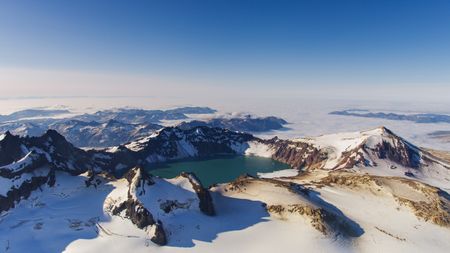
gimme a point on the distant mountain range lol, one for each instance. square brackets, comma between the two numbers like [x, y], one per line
[246, 123]
[114, 127]
[418, 118]
[443, 136]
[140, 116]
[32, 113]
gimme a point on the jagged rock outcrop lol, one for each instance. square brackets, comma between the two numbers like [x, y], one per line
[50, 149]
[175, 143]
[136, 212]
[299, 155]
[386, 145]
[147, 198]
[160, 235]
[134, 209]
[172, 143]
[30, 162]
[399, 151]
[205, 201]
[23, 191]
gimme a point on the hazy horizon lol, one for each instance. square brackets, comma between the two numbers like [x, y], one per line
[370, 50]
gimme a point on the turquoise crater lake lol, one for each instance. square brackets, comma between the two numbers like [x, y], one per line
[218, 169]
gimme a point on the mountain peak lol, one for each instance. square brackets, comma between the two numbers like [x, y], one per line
[5, 135]
[54, 135]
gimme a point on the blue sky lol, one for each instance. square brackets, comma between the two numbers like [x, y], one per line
[289, 45]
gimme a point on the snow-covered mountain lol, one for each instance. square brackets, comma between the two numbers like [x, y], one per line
[378, 151]
[96, 134]
[33, 113]
[368, 191]
[247, 123]
[140, 116]
[108, 128]
[84, 134]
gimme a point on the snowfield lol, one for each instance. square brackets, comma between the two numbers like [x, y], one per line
[73, 218]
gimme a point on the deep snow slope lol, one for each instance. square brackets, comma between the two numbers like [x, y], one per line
[333, 212]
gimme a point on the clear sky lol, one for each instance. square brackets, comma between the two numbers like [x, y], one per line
[288, 48]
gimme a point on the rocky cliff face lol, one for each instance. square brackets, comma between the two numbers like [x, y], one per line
[398, 150]
[28, 163]
[133, 208]
[385, 145]
[299, 155]
[149, 197]
[171, 144]
[22, 186]
[160, 237]
[205, 201]
[50, 149]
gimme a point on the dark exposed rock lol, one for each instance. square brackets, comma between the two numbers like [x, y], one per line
[298, 155]
[396, 150]
[352, 158]
[402, 153]
[205, 200]
[51, 178]
[134, 209]
[170, 205]
[23, 191]
[10, 149]
[35, 161]
[50, 151]
[207, 141]
[143, 179]
[160, 236]
[136, 212]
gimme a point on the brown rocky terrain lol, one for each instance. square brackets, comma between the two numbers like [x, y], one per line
[428, 202]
